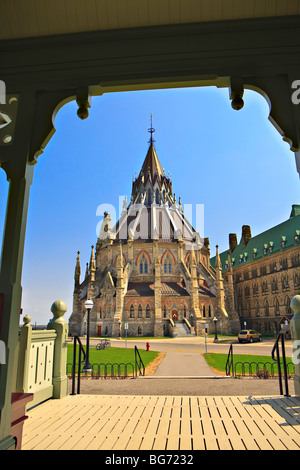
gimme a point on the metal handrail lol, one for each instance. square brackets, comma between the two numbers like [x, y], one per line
[277, 359]
[139, 365]
[81, 350]
[229, 362]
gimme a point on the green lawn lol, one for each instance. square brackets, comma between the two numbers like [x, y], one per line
[218, 362]
[113, 356]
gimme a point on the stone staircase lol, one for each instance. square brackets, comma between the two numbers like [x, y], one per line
[182, 329]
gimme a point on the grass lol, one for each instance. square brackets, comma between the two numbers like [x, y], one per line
[218, 362]
[114, 356]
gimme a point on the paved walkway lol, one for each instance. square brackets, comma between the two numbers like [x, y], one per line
[182, 364]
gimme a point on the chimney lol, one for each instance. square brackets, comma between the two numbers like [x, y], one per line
[232, 242]
[246, 234]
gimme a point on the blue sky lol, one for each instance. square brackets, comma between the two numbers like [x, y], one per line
[233, 162]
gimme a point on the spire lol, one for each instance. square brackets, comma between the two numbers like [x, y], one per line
[77, 270]
[151, 130]
[92, 264]
[218, 265]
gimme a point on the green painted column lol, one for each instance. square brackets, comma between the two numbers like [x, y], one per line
[10, 287]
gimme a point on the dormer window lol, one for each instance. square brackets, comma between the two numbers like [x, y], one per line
[254, 252]
[270, 247]
[265, 249]
[297, 235]
[283, 240]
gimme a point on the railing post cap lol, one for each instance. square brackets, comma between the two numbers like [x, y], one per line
[26, 319]
[58, 308]
[295, 304]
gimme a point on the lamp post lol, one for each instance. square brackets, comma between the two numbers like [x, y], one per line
[119, 323]
[216, 337]
[87, 366]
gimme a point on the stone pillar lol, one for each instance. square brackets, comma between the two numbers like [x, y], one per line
[295, 332]
[59, 324]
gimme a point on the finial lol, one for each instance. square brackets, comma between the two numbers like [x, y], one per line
[151, 130]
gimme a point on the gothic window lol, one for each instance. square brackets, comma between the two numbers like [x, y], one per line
[131, 311]
[277, 309]
[272, 267]
[209, 311]
[257, 309]
[140, 311]
[274, 285]
[157, 196]
[167, 265]
[204, 310]
[148, 311]
[143, 265]
[184, 311]
[283, 263]
[263, 270]
[296, 280]
[266, 308]
[149, 197]
[285, 282]
[165, 311]
[264, 287]
[247, 291]
[254, 272]
[288, 306]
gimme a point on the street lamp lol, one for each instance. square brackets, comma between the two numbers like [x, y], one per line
[119, 323]
[216, 337]
[87, 366]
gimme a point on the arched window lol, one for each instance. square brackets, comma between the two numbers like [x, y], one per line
[203, 312]
[277, 308]
[167, 265]
[131, 311]
[143, 265]
[148, 311]
[184, 311]
[157, 196]
[266, 308]
[209, 311]
[165, 312]
[139, 330]
[140, 311]
[149, 197]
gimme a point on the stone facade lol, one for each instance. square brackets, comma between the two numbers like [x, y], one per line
[266, 274]
[151, 270]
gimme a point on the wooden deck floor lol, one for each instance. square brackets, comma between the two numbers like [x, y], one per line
[164, 423]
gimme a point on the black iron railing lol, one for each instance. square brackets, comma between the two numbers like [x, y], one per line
[80, 352]
[102, 370]
[229, 362]
[276, 350]
[279, 368]
[139, 365]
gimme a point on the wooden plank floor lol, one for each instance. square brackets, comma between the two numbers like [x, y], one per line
[86, 422]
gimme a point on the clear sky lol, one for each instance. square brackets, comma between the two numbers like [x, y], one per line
[233, 162]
